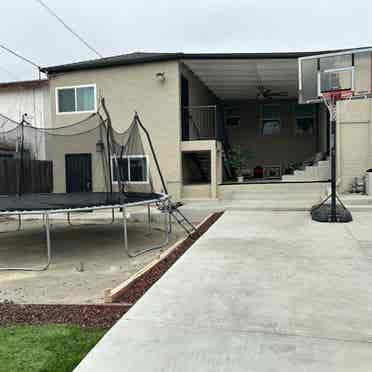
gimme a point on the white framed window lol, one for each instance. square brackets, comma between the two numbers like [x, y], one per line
[77, 99]
[131, 168]
[305, 117]
[270, 118]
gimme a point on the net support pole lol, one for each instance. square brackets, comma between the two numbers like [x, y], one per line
[138, 120]
[21, 166]
[108, 141]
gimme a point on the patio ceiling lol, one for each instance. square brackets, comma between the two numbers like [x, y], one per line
[238, 79]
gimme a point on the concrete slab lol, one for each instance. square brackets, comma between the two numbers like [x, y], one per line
[259, 291]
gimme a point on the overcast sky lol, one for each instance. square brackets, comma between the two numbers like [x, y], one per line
[120, 26]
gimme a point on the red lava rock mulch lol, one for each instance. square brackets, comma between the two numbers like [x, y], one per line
[90, 316]
[141, 284]
[103, 315]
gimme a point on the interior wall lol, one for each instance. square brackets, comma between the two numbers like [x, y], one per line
[279, 149]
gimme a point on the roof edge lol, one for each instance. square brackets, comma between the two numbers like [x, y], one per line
[132, 59]
[24, 83]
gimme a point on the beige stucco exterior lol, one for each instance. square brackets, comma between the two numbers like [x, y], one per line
[127, 89]
[136, 88]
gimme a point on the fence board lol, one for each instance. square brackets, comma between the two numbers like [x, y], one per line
[37, 176]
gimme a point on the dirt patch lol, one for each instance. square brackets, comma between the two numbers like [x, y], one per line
[90, 316]
[99, 316]
[141, 284]
[85, 260]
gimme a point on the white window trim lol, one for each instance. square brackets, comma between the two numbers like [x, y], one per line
[75, 88]
[113, 158]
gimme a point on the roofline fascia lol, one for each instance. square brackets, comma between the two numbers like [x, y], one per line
[79, 66]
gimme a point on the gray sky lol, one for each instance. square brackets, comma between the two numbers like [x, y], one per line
[120, 26]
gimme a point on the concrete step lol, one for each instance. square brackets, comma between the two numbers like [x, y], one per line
[196, 210]
[316, 172]
[274, 192]
[271, 197]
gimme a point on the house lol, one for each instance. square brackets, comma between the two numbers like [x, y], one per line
[17, 98]
[31, 97]
[198, 107]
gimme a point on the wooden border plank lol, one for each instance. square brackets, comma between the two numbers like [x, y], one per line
[111, 295]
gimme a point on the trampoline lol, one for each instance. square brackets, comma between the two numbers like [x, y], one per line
[26, 196]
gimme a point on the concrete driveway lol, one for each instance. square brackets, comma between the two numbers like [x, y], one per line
[260, 291]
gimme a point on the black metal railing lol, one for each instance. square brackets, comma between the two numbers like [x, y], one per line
[199, 123]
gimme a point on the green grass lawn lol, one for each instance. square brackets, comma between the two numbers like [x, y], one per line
[47, 348]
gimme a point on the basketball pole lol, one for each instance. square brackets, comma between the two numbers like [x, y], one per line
[333, 167]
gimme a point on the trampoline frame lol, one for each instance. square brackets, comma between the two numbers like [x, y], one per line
[121, 207]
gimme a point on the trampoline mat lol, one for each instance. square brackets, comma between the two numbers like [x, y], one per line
[56, 201]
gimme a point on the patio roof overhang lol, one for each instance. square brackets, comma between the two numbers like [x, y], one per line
[238, 79]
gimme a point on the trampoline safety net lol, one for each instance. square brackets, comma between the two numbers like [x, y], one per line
[83, 164]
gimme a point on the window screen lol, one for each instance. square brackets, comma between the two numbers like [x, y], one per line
[132, 169]
[120, 165]
[66, 100]
[270, 120]
[305, 119]
[85, 99]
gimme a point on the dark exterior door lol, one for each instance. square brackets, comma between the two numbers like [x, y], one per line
[78, 173]
[185, 103]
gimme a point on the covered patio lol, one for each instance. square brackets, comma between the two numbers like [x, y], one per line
[250, 105]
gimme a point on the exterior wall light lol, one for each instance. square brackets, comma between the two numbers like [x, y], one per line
[161, 77]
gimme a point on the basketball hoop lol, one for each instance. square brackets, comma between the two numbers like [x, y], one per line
[330, 100]
[329, 78]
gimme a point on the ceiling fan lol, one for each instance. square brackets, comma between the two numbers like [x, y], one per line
[267, 93]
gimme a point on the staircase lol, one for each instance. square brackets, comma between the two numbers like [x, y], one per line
[202, 161]
[321, 171]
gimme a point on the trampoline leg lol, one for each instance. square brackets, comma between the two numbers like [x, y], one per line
[158, 246]
[19, 226]
[149, 218]
[49, 250]
[126, 248]
[169, 223]
[47, 233]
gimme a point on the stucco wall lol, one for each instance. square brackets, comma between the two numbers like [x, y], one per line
[281, 149]
[33, 101]
[354, 140]
[126, 89]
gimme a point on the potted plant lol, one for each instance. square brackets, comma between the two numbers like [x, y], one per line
[238, 159]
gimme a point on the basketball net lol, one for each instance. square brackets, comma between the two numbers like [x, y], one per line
[330, 100]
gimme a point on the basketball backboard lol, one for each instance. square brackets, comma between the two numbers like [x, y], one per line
[348, 71]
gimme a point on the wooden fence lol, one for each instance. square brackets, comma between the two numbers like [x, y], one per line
[37, 176]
